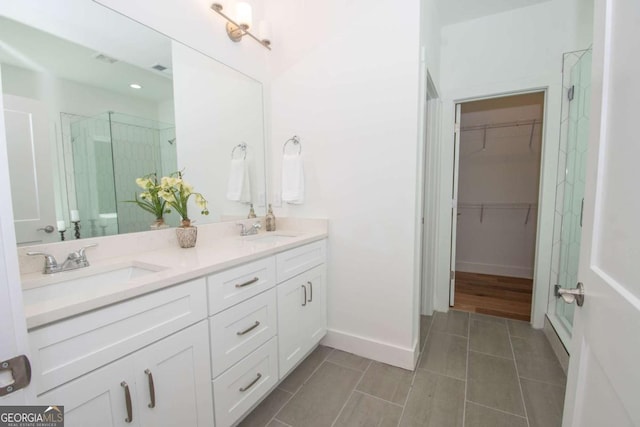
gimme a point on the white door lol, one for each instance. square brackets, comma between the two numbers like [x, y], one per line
[30, 170]
[316, 309]
[292, 303]
[13, 329]
[603, 386]
[454, 207]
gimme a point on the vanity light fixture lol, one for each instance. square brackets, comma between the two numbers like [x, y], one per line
[135, 86]
[236, 29]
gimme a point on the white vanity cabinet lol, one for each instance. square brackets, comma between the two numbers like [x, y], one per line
[164, 384]
[302, 315]
[145, 359]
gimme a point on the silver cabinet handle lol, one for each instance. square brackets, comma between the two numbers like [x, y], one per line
[247, 283]
[152, 389]
[310, 292]
[127, 398]
[304, 300]
[243, 389]
[249, 329]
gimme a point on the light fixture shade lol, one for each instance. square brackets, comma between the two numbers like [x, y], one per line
[264, 31]
[243, 14]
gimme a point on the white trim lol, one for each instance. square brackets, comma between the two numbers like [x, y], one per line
[390, 354]
[495, 269]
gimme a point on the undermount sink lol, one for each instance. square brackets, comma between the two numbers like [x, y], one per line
[88, 282]
[270, 238]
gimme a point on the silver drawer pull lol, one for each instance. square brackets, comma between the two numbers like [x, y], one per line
[249, 329]
[247, 283]
[310, 292]
[304, 300]
[127, 399]
[243, 389]
[152, 389]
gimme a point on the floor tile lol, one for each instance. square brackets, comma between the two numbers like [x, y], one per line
[265, 411]
[302, 373]
[321, 398]
[490, 338]
[348, 360]
[386, 382]
[518, 328]
[544, 403]
[276, 423]
[480, 416]
[537, 361]
[364, 410]
[425, 324]
[453, 322]
[445, 354]
[434, 401]
[487, 318]
[493, 382]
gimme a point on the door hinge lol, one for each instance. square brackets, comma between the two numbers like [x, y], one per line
[452, 275]
[20, 369]
[571, 92]
[456, 127]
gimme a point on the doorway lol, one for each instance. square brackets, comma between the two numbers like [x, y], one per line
[496, 187]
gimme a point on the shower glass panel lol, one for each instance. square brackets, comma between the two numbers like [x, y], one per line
[109, 152]
[571, 182]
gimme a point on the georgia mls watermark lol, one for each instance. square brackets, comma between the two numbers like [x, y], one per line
[32, 416]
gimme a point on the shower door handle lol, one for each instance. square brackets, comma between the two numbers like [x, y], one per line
[571, 295]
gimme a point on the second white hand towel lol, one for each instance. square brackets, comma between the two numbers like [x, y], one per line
[239, 186]
[292, 179]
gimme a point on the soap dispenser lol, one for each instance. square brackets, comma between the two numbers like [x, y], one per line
[252, 213]
[270, 220]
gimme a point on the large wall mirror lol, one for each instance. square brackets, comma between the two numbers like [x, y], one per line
[89, 109]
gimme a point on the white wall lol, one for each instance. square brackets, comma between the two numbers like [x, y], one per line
[348, 85]
[503, 53]
[506, 172]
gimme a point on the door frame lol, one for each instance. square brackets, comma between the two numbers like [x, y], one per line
[546, 192]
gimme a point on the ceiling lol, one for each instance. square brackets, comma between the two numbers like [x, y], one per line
[455, 11]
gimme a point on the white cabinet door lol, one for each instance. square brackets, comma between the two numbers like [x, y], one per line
[302, 316]
[173, 380]
[98, 399]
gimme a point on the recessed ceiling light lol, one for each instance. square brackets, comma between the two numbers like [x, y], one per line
[135, 86]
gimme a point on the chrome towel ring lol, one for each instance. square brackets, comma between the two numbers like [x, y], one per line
[295, 140]
[242, 147]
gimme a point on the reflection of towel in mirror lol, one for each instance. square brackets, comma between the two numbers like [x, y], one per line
[239, 185]
[292, 179]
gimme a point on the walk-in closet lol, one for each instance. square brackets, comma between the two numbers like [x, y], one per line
[496, 194]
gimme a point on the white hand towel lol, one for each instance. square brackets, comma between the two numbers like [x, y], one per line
[239, 185]
[292, 179]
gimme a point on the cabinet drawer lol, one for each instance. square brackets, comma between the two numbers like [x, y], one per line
[232, 286]
[239, 388]
[295, 261]
[241, 329]
[72, 347]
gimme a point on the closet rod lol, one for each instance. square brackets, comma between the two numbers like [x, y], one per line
[502, 125]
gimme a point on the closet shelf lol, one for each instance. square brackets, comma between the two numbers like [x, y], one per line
[498, 205]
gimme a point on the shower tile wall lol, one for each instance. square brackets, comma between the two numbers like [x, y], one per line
[571, 173]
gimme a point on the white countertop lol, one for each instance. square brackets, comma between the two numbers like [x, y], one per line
[179, 265]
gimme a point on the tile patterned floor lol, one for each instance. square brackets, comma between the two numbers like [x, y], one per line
[474, 371]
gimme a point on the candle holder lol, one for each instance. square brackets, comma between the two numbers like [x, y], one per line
[61, 235]
[104, 229]
[76, 228]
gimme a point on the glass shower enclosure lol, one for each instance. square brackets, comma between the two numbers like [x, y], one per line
[572, 160]
[107, 153]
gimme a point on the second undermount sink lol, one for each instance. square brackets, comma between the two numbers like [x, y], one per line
[95, 282]
[270, 238]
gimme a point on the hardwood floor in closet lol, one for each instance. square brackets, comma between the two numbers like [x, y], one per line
[501, 296]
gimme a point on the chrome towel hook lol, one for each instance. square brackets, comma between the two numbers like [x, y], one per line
[295, 140]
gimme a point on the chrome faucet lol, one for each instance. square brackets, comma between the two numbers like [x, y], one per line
[74, 260]
[244, 231]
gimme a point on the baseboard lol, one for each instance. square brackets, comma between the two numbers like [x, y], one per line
[556, 344]
[495, 269]
[372, 349]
